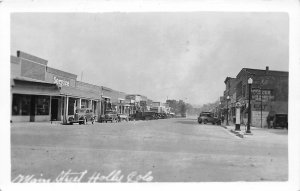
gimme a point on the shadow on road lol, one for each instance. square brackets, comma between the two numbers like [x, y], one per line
[191, 121]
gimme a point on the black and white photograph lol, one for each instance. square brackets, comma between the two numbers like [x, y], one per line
[152, 96]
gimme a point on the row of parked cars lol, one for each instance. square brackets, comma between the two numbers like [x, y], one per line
[85, 115]
[278, 120]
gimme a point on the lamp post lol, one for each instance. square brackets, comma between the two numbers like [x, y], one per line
[219, 111]
[250, 81]
[227, 112]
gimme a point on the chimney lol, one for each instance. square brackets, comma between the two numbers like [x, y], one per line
[267, 69]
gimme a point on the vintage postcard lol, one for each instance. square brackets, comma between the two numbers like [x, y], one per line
[160, 92]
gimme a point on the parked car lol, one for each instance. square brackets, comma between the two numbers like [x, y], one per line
[131, 117]
[123, 117]
[172, 115]
[109, 115]
[82, 116]
[208, 117]
[149, 115]
[164, 116]
[280, 120]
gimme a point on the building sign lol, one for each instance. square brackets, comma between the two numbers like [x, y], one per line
[260, 107]
[61, 82]
[262, 95]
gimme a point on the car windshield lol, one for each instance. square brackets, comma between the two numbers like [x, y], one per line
[206, 114]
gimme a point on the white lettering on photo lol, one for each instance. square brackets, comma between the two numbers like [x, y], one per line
[77, 177]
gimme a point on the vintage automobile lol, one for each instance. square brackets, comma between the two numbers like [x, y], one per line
[208, 117]
[131, 117]
[109, 115]
[280, 121]
[82, 116]
[148, 115]
[123, 117]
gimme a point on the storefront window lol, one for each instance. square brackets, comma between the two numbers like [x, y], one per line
[42, 105]
[84, 103]
[21, 104]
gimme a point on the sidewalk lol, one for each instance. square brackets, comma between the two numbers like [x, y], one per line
[254, 130]
[36, 124]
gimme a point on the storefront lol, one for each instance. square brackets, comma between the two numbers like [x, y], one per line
[42, 93]
[31, 99]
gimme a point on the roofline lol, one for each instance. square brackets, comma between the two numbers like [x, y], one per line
[227, 79]
[265, 70]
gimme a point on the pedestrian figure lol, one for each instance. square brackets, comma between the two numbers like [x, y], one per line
[270, 119]
[222, 118]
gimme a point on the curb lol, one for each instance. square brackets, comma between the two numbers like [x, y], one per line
[237, 133]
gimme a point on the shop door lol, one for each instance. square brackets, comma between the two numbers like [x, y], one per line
[32, 108]
[54, 109]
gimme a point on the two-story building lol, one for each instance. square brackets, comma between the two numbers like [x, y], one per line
[269, 94]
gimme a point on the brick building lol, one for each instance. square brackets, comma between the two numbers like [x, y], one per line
[269, 94]
[230, 91]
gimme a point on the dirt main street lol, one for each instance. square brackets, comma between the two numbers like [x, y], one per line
[165, 150]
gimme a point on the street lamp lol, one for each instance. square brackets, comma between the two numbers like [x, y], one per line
[219, 111]
[227, 113]
[250, 81]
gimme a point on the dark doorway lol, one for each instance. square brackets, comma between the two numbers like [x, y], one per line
[54, 109]
[32, 108]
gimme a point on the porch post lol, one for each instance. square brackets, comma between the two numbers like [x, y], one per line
[66, 105]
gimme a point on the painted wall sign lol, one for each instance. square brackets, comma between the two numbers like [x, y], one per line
[61, 82]
[264, 95]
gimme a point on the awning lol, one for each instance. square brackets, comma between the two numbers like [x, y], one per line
[33, 87]
[23, 85]
[74, 92]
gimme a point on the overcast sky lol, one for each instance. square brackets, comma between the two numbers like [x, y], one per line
[176, 55]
